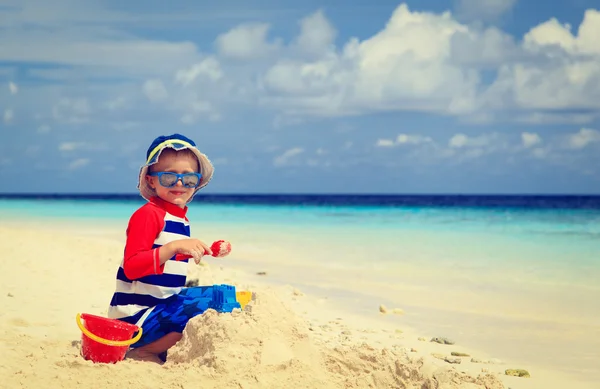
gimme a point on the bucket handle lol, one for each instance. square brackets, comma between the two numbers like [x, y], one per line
[107, 342]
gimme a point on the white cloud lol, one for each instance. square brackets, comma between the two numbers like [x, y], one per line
[155, 90]
[195, 92]
[116, 104]
[246, 41]
[462, 141]
[463, 147]
[458, 140]
[418, 61]
[540, 152]
[78, 163]
[572, 151]
[72, 110]
[317, 35]
[284, 158]
[460, 148]
[44, 128]
[70, 146]
[220, 161]
[412, 139]
[129, 56]
[13, 88]
[487, 48]
[404, 139]
[32, 150]
[406, 66]
[583, 138]
[196, 109]
[423, 61]
[73, 146]
[124, 126]
[98, 45]
[553, 33]
[312, 162]
[550, 33]
[385, 143]
[208, 68]
[530, 139]
[555, 150]
[537, 118]
[98, 37]
[8, 115]
[563, 70]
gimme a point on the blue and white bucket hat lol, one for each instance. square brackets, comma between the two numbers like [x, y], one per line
[176, 142]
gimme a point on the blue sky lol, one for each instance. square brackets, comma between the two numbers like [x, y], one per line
[465, 96]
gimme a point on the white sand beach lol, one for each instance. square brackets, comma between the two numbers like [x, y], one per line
[288, 338]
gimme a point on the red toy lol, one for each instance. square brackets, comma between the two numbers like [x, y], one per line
[220, 248]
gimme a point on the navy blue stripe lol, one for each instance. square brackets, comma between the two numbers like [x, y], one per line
[137, 299]
[168, 280]
[121, 275]
[156, 246]
[176, 228]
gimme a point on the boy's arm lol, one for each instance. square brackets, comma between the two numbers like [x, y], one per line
[140, 259]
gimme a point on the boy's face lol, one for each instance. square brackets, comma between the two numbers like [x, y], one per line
[175, 162]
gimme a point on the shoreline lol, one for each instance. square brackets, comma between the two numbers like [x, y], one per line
[320, 308]
[479, 340]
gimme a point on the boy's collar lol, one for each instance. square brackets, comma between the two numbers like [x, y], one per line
[170, 208]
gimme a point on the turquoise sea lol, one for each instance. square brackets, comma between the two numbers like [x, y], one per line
[560, 233]
[525, 270]
[553, 237]
[565, 229]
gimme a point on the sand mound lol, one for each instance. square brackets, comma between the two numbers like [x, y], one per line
[267, 345]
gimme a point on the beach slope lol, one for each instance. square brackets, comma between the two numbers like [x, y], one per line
[283, 339]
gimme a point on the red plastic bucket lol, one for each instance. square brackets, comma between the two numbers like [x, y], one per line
[105, 340]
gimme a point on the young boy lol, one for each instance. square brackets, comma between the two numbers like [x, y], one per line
[150, 287]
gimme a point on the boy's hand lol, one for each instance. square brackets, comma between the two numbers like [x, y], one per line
[193, 247]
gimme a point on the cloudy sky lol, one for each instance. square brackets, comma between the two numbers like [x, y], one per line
[425, 96]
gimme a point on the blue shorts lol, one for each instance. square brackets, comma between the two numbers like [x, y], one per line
[174, 315]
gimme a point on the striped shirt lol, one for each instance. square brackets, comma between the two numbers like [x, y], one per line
[142, 282]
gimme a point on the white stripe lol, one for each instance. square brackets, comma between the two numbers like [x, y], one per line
[179, 268]
[139, 287]
[173, 218]
[144, 317]
[166, 237]
[122, 311]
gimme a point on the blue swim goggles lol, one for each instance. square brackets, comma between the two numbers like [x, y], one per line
[170, 179]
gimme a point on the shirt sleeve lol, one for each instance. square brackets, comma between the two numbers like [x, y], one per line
[140, 259]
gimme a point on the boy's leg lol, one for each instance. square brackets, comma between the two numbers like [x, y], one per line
[151, 352]
[164, 326]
